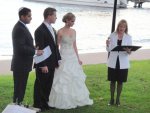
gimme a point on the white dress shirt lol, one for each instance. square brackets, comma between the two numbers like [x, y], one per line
[50, 28]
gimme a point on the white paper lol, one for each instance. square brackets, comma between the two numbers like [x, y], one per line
[17, 109]
[45, 55]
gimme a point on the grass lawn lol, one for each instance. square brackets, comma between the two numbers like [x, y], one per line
[135, 96]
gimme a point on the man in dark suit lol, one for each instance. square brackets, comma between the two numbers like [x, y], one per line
[23, 51]
[45, 36]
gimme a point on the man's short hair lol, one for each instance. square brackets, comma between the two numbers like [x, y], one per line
[48, 11]
[23, 11]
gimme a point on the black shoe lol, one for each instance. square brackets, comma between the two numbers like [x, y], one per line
[35, 109]
[111, 102]
[19, 103]
[49, 108]
[118, 103]
[39, 107]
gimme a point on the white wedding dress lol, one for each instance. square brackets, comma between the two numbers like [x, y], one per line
[69, 89]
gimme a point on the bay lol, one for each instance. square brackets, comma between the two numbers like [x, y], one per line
[93, 24]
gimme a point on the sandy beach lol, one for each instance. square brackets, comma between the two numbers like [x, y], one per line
[88, 58]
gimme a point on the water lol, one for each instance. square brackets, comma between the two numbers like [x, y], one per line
[93, 24]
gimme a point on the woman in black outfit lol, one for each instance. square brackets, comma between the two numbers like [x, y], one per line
[118, 61]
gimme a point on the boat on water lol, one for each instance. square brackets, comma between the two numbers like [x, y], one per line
[101, 3]
[138, 3]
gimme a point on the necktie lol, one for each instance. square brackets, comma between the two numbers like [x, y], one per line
[52, 31]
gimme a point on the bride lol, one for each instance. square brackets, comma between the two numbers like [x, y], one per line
[69, 89]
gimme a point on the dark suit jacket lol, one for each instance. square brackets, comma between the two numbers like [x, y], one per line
[23, 48]
[44, 38]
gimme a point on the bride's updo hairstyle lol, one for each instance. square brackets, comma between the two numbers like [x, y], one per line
[68, 16]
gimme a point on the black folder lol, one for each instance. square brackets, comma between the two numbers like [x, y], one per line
[121, 48]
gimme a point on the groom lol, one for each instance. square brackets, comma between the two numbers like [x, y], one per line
[45, 35]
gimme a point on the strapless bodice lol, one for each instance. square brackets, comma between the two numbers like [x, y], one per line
[67, 42]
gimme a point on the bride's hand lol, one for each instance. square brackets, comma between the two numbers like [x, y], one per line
[80, 62]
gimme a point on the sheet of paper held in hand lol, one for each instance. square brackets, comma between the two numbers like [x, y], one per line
[17, 109]
[47, 52]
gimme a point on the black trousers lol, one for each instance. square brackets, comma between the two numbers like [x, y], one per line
[20, 82]
[42, 87]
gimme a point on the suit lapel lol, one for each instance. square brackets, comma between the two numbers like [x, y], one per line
[51, 36]
[26, 30]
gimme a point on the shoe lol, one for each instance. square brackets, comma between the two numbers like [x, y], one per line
[27, 105]
[35, 109]
[13, 103]
[118, 103]
[111, 102]
[49, 108]
[20, 104]
[38, 107]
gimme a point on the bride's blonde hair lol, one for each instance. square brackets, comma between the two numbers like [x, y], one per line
[68, 16]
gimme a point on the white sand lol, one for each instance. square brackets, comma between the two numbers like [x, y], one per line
[88, 58]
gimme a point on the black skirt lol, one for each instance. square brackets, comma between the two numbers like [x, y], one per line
[117, 74]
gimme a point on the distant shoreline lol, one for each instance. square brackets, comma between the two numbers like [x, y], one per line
[87, 58]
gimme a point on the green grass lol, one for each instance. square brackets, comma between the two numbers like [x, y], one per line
[135, 97]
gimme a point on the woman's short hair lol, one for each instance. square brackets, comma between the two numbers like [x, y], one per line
[123, 21]
[68, 16]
